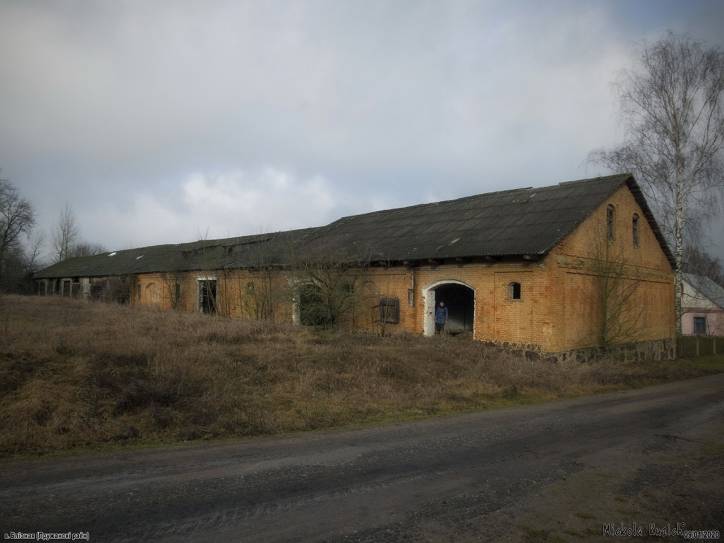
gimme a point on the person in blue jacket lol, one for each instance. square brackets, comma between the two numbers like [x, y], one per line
[440, 318]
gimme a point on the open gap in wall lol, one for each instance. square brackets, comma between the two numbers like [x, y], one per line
[458, 309]
[207, 296]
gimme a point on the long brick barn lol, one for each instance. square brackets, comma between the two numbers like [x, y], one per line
[568, 268]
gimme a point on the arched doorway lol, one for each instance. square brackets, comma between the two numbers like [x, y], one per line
[312, 309]
[459, 298]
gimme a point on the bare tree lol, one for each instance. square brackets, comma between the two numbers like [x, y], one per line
[65, 235]
[699, 262]
[85, 248]
[33, 253]
[16, 218]
[329, 291]
[259, 294]
[172, 282]
[673, 112]
[616, 292]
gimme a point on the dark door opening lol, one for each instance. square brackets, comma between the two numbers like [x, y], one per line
[312, 309]
[460, 303]
[207, 295]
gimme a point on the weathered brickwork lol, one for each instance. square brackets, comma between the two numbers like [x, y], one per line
[560, 305]
[574, 302]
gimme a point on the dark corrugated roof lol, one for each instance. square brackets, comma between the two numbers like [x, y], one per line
[521, 222]
[240, 252]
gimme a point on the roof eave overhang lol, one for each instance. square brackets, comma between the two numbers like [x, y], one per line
[643, 204]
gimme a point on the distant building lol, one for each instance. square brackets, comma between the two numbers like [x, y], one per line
[702, 306]
[567, 268]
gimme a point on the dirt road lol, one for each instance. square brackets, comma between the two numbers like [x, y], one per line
[554, 472]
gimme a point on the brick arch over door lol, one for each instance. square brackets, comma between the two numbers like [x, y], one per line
[462, 318]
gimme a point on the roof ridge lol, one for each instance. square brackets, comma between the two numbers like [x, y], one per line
[426, 204]
[623, 177]
[490, 223]
[209, 242]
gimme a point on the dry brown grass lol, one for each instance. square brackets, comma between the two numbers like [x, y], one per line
[78, 374]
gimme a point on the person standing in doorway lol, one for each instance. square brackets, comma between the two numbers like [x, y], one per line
[440, 318]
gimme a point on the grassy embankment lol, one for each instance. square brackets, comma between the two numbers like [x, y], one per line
[75, 374]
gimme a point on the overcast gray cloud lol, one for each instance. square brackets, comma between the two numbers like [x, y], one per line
[163, 121]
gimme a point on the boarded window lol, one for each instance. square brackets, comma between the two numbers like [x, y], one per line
[635, 229]
[610, 222]
[514, 291]
[700, 326]
[98, 289]
[390, 310]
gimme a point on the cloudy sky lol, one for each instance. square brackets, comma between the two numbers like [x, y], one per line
[167, 121]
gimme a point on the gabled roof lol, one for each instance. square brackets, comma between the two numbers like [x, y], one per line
[529, 221]
[707, 288]
[513, 223]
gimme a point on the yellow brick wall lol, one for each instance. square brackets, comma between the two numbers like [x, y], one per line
[558, 309]
[584, 241]
[496, 317]
[575, 272]
[234, 296]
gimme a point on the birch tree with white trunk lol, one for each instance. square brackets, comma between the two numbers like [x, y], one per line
[673, 114]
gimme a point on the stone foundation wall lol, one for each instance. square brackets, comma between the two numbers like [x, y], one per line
[654, 350]
[658, 349]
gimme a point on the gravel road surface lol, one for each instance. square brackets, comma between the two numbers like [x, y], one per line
[549, 472]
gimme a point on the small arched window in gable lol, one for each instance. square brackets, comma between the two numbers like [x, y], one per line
[635, 229]
[610, 222]
[514, 291]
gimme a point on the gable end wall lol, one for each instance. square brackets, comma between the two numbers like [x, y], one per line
[644, 283]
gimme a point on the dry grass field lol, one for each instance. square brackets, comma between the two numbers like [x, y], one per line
[77, 374]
